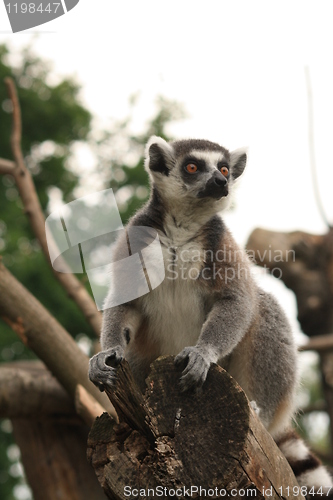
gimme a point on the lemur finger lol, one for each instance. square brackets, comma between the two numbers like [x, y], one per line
[194, 377]
[181, 357]
[192, 360]
[113, 360]
[100, 373]
[189, 382]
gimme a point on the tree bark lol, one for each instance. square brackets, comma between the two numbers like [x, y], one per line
[53, 453]
[175, 440]
[46, 337]
[306, 264]
[28, 390]
[51, 436]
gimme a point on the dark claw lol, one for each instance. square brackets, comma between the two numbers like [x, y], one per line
[195, 372]
[103, 367]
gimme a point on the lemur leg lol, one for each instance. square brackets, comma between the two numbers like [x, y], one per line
[120, 325]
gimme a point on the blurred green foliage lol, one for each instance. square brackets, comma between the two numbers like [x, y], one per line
[52, 119]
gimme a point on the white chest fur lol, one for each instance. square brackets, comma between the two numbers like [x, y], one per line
[175, 309]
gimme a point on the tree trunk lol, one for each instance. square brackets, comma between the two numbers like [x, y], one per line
[53, 453]
[173, 441]
[51, 436]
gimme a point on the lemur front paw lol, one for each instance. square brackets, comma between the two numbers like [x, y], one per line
[196, 370]
[103, 367]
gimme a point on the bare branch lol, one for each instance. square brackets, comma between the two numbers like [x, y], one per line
[33, 210]
[319, 405]
[321, 343]
[31, 392]
[312, 149]
[6, 166]
[86, 406]
[46, 337]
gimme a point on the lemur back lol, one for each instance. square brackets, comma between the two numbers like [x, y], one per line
[208, 309]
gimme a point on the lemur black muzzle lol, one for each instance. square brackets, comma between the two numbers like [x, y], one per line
[216, 187]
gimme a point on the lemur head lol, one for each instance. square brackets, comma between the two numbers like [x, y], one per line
[198, 171]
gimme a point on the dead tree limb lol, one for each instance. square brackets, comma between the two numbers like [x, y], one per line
[321, 344]
[30, 391]
[51, 436]
[46, 337]
[172, 440]
[53, 456]
[33, 210]
[6, 167]
[305, 264]
[312, 154]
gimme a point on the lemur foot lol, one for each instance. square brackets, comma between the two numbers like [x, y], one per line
[255, 407]
[196, 370]
[103, 367]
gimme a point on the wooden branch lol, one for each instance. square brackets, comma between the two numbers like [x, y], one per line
[53, 453]
[6, 166]
[172, 440]
[32, 392]
[319, 405]
[46, 337]
[312, 153]
[86, 406]
[304, 262]
[33, 210]
[321, 343]
[51, 436]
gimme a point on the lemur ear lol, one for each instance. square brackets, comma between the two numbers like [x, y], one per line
[159, 156]
[238, 159]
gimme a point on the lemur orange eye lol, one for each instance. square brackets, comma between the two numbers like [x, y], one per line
[191, 168]
[224, 171]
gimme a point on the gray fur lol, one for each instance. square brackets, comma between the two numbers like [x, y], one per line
[219, 316]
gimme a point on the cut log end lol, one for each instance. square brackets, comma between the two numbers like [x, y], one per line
[171, 440]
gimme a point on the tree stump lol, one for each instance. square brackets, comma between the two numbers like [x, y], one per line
[169, 443]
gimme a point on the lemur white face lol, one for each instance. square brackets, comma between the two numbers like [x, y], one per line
[199, 171]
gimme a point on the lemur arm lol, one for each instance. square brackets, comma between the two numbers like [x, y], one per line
[232, 316]
[120, 324]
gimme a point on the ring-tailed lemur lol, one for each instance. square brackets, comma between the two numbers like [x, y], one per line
[217, 314]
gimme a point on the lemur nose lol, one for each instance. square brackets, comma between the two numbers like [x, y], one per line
[219, 179]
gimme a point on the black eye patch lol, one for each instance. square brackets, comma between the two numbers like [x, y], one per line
[222, 164]
[191, 178]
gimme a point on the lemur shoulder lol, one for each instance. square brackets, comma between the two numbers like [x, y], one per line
[208, 309]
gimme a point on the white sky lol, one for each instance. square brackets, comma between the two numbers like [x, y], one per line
[238, 66]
